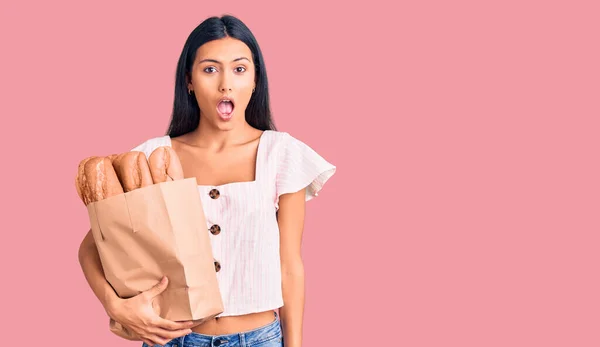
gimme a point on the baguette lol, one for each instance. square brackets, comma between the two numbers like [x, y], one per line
[132, 170]
[101, 181]
[165, 165]
[112, 158]
[80, 182]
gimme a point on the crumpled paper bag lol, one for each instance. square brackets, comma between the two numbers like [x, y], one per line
[158, 230]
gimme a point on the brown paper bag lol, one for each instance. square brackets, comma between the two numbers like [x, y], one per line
[153, 231]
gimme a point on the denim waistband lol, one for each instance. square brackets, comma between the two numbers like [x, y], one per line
[271, 331]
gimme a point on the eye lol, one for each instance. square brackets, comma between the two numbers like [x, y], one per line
[237, 69]
[210, 67]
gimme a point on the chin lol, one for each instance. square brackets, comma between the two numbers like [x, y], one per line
[224, 125]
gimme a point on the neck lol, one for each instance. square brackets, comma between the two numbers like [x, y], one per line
[211, 137]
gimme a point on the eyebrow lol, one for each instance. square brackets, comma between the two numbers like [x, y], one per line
[218, 62]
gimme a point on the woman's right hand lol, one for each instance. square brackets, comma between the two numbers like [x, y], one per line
[138, 316]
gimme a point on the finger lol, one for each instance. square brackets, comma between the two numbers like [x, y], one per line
[157, 340]
[150, 342]
[171, 325]
[169, 334]
[158, 288]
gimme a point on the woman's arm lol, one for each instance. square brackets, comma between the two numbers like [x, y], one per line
[92, 269]
[136, 314]
[290, 218]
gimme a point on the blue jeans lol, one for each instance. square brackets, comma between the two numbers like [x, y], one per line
[269, 335]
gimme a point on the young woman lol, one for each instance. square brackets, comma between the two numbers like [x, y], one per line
[253, 182]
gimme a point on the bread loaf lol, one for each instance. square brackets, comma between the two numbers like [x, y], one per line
[99, 180]
[80, 182]
[165, 165]
[132, 170]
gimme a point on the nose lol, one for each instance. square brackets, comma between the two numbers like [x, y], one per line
[225, 85]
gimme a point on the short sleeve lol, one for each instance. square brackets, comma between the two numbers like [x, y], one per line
[142, 147]
[298, 167]
[148, 146]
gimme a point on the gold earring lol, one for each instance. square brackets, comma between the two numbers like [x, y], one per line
[253, 90]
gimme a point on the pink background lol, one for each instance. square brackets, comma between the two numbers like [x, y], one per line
[465, 207]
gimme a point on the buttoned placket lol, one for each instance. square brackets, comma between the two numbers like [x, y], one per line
[215, 229]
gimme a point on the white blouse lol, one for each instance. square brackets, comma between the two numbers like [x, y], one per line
[241, 219]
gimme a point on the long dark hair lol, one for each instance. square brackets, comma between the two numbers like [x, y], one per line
[186, 112]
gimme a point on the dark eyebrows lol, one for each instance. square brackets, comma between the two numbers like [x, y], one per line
[218, 62]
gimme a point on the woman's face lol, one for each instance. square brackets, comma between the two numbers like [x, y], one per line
[223, 69]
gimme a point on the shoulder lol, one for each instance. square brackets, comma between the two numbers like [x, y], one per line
[283, 140]
[281, 146]
[289, 145]
[149, 145]
[277, 136]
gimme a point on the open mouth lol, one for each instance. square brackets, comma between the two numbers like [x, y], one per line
[225, 107]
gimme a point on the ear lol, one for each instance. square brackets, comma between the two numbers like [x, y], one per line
[188, 81]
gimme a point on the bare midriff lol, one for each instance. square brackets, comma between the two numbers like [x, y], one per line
[235, 324]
